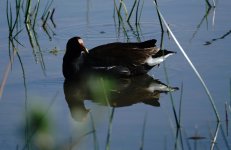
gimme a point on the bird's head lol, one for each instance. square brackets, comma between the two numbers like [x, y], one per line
[75, 47]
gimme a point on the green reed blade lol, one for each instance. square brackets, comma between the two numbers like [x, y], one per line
[125, 8]
[214, 138]
[121, 20]
[96, 144]
[130, 14]
[137, 11]
[118, 13]
[52, 17]
[47, 7]
[9, 20]
[17, 14]
[27, 14]
[225, 136]
[230, 94]
[201, 22]
[18, 33]
[143, 132]
[167, 79]
[19, 42]
[161, 24]
[208, 3]
[120, 6]
[36, 14]
[11, 17]
[192, 66]
[45, 21]
[171, 98]
[108, 140]
[5, 75]
[181, 98]
[141, 9]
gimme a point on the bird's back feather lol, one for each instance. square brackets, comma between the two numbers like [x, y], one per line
[122, 53]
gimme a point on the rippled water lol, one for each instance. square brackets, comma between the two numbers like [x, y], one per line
[205, 36]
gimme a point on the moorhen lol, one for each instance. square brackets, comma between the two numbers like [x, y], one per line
[122, 59]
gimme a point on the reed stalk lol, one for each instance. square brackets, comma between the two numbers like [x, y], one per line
[36, 13]
[201, 22]
[226, 141]
[45, 20]
[230, 94]
[137, 12]
[143, 132]
[167, 79]
[120, 19]
[214, 138]
[192, 66]
[52, 17]
[181, 98]
[124, 6]
[27, 14]
[108, 139]
[5, 76]
[208, 3]
[141, 9]
[35, 46]
[159, 18]
[46, 10]
[172, 101]
[130, 14]
[9, 15]
[96, 145]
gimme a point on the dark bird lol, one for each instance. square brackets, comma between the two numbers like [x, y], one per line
[122, 59]
[112, 91]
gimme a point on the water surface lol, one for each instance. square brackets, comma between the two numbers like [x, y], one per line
[205, 38]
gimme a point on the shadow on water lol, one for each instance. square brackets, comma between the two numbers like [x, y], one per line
[204, 18]
[120, 92]
[219, 38]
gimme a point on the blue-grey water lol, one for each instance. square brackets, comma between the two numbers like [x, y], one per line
[205, 37]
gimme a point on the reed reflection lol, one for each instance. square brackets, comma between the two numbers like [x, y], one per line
[112, 91]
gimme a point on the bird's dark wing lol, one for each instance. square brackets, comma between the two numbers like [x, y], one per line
[124, 54]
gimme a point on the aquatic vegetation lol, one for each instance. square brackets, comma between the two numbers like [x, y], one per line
[129, 114]
[218, 38]
[124, 17]
[143, 132]
[205, 17]
[191, 64]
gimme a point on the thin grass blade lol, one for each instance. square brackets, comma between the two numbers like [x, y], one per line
[181, 97]
[143, 132]
[230, 94]
[27, 14]
[160, 20]
[137, 11]
[130, 14]
[108, 140]
[191, 64]
[141, 9]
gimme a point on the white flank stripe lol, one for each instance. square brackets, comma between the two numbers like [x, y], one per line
[155, 61]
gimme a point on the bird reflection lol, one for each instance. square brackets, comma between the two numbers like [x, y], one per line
[112, 91]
